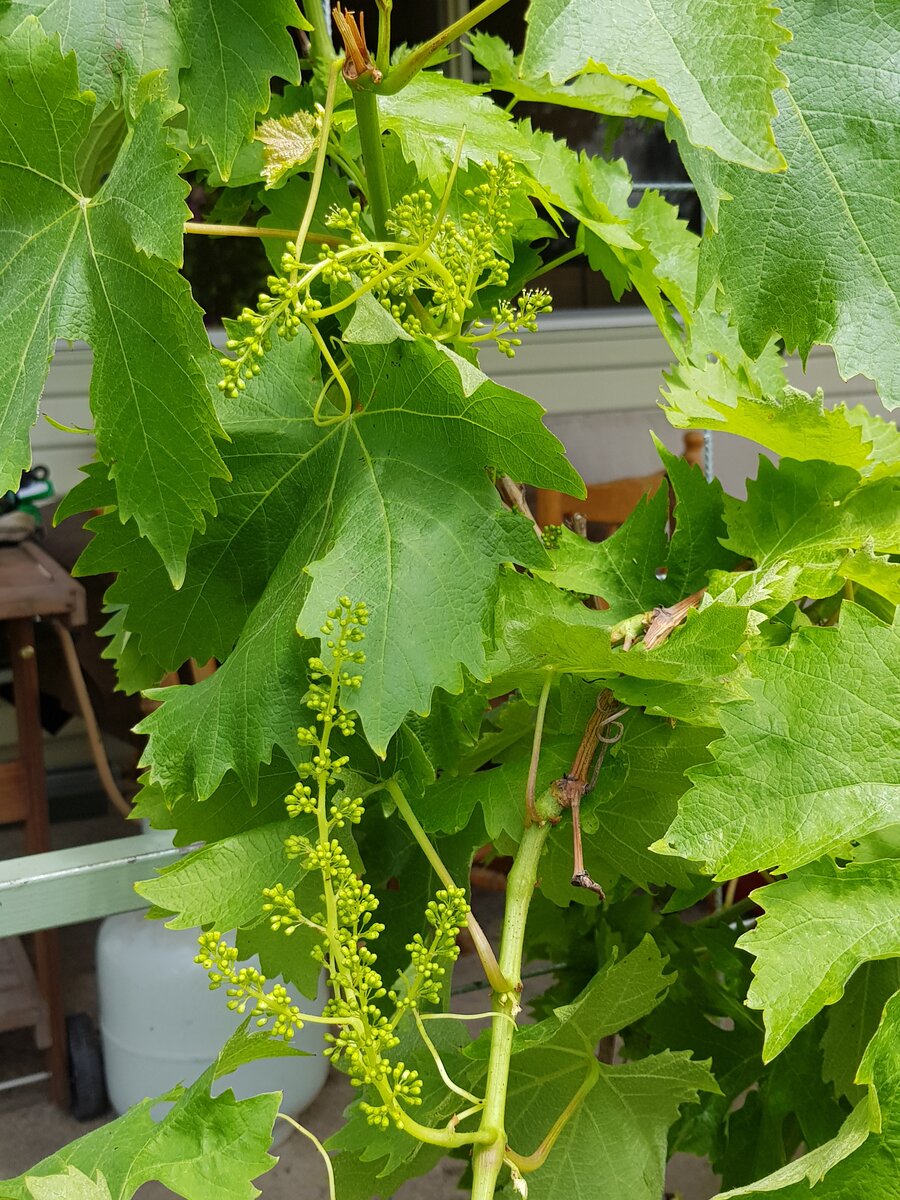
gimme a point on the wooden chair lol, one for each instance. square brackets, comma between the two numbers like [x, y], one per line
[610, 504]
[33, 587]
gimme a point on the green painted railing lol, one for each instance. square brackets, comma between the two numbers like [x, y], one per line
[63, 887]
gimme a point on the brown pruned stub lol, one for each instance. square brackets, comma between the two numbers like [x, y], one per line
[571, 788]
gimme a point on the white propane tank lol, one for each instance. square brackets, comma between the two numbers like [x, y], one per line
[161, 1025]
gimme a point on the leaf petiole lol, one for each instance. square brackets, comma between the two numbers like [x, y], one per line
[531, 813]
[321, 155]
[307, 1133]
[531, 1162]
[442, 1070]
[483, 949]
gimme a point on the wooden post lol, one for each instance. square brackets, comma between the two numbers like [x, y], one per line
[20, 632]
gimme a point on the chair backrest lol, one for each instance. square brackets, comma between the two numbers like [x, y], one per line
[610, 504]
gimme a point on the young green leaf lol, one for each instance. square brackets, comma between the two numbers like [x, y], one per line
[712, 64]
[429, 116]
[235, 47]
[222, 885]
[204, 1148]
[593, 92]
[541, 629]
[811, 515]
[810, 762]
[820, 924]
[790, 422]
[103, 268]
[862, 1159]
[641, 567]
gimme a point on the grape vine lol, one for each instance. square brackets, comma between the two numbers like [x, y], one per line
[675, 751]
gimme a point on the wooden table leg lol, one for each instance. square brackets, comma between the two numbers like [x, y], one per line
[37, 839]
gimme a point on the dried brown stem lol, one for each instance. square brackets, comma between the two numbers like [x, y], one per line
[571, 789]
[665, 620]
[514, 496]
[359, 62]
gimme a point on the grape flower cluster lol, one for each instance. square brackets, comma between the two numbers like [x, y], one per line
[427, 276]
[363, 1013]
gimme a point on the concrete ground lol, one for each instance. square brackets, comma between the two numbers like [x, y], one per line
[31, 1128]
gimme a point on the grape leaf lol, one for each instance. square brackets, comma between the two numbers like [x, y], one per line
[792, 780]
[593, 92]
[225, 813]
[615, 1144]
[221, 886]
[541, 629]
[234, 48]
[222, 883]
[640, 566]
[115, 43]
[615, 1141]
[810, 514]
[789, 421]
[429, 115]
[361, 523]
[803, 254]
[102, 269]
[593, 190]
[853, 1020]
[624, 991]
[649, 248]
[712, 64]
[204, 1148]
[820, 924]
[862, 1159]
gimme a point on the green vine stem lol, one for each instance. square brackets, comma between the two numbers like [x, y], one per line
[383, 53]
[258, 231]
[418, 58]
[369, 125]
[321, 155]
[320, 39]
[488, 1158]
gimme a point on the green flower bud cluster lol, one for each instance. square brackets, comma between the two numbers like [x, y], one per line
[405, 1086]
[281, 905]
[551, 536]
[427, 276]
[509, 318]
[467, 250]
[447, 914]
[280, 310]
[247, 987]
[361, 1011]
